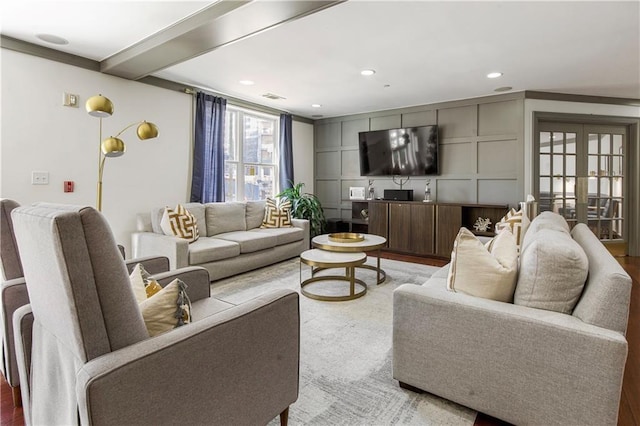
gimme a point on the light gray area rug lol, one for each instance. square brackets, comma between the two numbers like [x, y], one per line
[345, 350]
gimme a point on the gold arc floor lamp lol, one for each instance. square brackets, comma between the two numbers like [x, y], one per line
[101, 107]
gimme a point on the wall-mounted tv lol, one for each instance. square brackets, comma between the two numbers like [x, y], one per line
[411, 151]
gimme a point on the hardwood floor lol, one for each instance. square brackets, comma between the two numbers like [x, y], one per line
[629, 414]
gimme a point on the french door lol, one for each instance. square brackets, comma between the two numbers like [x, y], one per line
[580, 173]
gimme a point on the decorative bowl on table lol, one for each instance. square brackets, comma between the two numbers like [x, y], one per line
[346, 237]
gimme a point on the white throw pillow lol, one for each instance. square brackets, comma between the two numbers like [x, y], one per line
[179, 223]
[138, 279]
[477, 271]
[167, 309]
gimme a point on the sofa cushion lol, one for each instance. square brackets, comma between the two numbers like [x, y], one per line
[225, 217]
[277, 214]
[179, 222]
[477, 271]
[250, 241]
[283, 235]
[545, 220]
[196, 209]
[553, 270]
[211, 249]
[254, 214]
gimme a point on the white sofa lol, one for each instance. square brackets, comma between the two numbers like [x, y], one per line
[520, 364]
[231, 240]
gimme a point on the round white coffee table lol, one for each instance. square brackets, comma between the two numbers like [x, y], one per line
[321, 259]
[370, 242]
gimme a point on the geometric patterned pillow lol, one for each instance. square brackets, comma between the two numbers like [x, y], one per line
[277, 215]
[180, 223]
[514, 219]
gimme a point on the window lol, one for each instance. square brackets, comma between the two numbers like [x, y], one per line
[250, 155]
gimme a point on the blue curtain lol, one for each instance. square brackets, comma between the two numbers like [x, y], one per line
[286, 152]
[207, 180]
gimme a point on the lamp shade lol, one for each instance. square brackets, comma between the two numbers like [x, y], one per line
[113, 147]
[99, 106]
[147, 130]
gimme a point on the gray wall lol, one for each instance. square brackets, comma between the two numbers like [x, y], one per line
[481, 152]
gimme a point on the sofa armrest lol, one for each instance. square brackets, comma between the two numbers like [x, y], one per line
[239, 366]
[304, 225]
[152, 244]
[506, 360]
[151, 264]
[195, 277]
[14, 295]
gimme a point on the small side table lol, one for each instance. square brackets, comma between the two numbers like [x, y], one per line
[322, 259]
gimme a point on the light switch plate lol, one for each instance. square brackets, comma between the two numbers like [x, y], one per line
[39, 178]
[70, 100]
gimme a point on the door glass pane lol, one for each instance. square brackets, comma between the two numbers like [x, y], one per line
[558, 166]
[558, 141]
[617, 144]
[593, 165]
[545, 165]
[593, 144]
[604, 165]
[604, 186]
[570, 147]
[570, 186]
[545, 142]
[545, 185]
[617, 187]
[605, 144]
[570, 161]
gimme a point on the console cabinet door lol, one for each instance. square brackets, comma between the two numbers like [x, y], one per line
[422, 229]
[400, 227]
[378, 219]
[448, 223]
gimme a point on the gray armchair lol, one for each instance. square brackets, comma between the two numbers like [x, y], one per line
[94, 363]
[14, 295]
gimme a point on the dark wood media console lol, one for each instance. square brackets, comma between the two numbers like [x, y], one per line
[427, 229]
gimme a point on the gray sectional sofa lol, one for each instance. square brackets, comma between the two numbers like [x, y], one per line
[518, 363]
[231, 240]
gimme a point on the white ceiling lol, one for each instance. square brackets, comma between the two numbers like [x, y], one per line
[425, 51]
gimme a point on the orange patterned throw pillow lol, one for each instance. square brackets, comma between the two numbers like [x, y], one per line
[277, 215]
[179, 223]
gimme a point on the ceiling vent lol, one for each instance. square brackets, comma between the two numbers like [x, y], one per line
[272, 96]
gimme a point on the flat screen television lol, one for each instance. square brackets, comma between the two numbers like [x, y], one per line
[410, 151]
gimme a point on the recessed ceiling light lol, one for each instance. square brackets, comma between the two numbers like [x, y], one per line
[53, 39]
[368, 72]
[494, 75]
[316, 105]
[503, 89]
[247, 82]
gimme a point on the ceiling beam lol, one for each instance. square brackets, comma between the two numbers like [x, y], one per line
[218, 25]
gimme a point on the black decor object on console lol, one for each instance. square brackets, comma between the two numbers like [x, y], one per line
[411, 151]
[398, 194]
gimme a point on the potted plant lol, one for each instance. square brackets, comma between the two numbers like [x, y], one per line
[305, 206]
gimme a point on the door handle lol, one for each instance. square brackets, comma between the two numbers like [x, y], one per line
[581, 189]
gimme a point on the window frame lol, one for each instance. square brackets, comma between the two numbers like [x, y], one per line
[239, 148]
